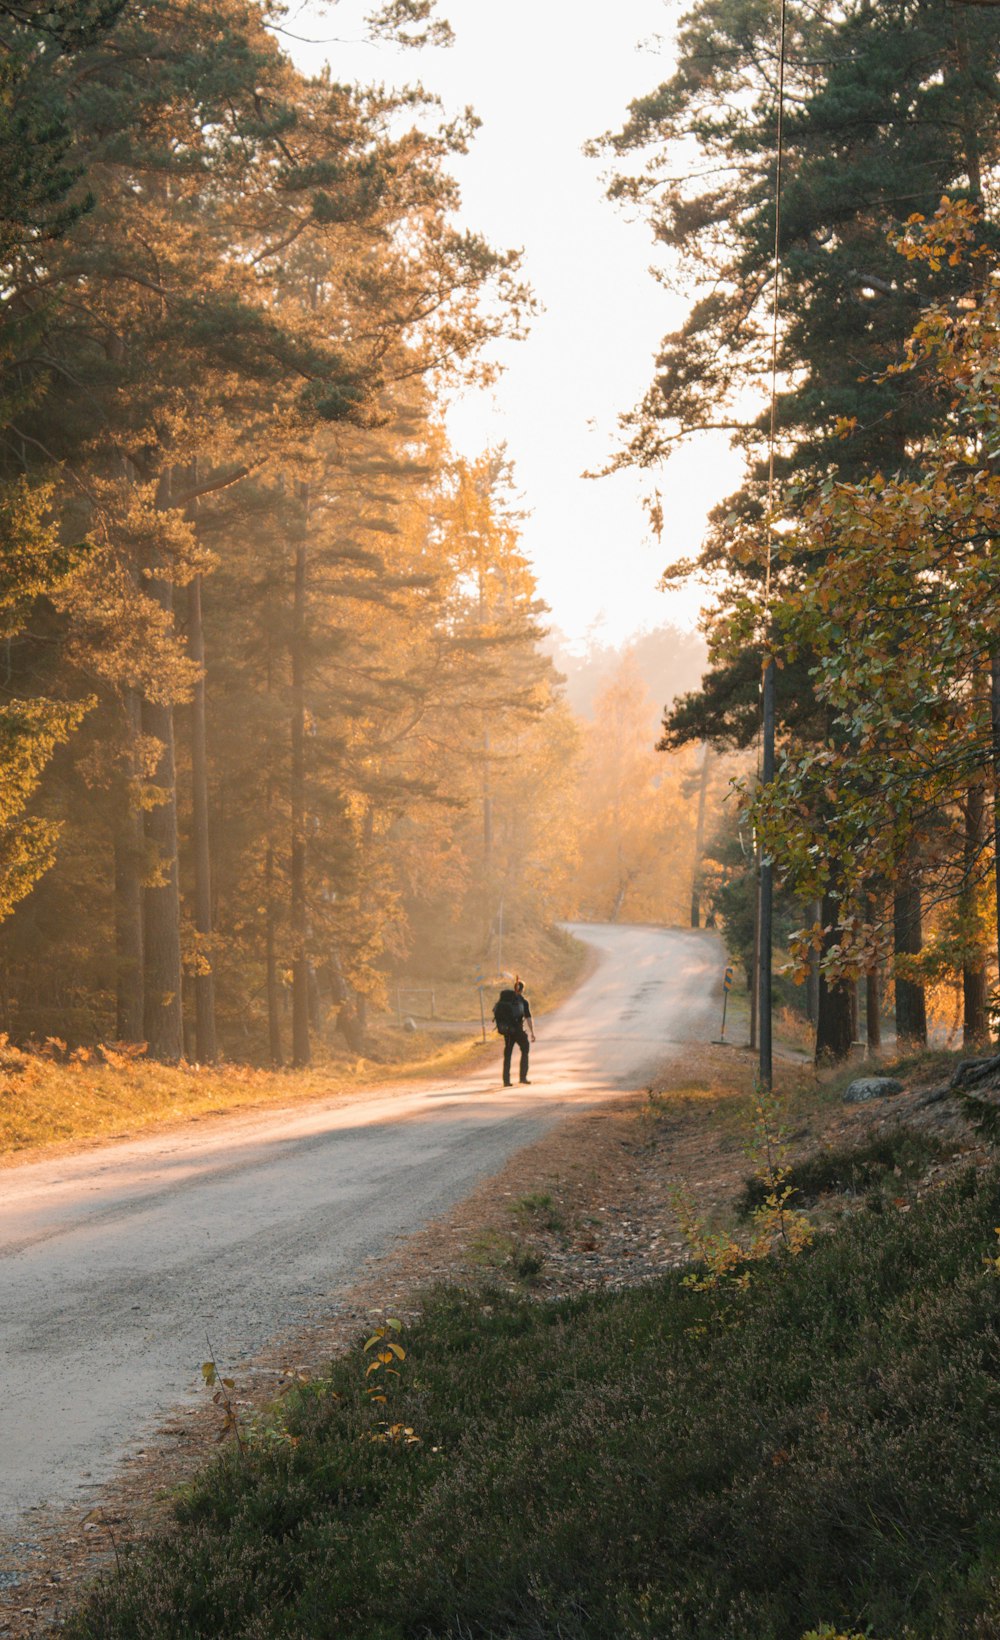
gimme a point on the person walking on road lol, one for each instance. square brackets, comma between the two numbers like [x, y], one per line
[511, 1014]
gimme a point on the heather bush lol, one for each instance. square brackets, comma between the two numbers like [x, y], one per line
[821, 1452]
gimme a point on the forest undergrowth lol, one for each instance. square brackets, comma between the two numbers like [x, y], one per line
[796, 1446]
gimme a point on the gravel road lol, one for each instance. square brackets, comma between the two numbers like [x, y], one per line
[123, 1267]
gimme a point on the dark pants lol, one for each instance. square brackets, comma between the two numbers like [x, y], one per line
[509, 1038]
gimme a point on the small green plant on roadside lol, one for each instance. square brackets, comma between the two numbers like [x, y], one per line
[223, 1399]
[657, 1106]
[897, 1152]
[491, 1248]
[498, 1251]
[388, 1352]
[270, 1429]
[722, 1260]
[380, 1369]
[539, 1208]
[826, 1631]
[527, 1264]
[776, 1226]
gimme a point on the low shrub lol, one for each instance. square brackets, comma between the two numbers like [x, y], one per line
[899, 1152]
[662, 1464]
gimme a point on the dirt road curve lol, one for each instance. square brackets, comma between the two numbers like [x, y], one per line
[117, 1264]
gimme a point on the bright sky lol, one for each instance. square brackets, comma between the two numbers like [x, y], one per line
[544, 76]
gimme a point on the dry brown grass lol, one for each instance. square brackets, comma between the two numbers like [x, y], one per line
[46, 1102]
[49, 1098]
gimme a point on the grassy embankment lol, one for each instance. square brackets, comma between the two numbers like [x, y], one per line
[48, 1098]
[816, 1449]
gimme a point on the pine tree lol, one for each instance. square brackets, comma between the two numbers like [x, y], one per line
[887, 108]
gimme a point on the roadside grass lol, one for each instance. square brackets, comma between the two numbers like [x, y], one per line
[658, 1464]
[51, 1097]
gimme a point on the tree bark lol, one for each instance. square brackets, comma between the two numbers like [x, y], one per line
[162, 1010]
[365, 907]
[301, 1050]
[130, 850]
[975, 1027]
[814, 912]
[487, 802]
[911, 1012]
[755, 971]
[854, 991]
[270, 965]
[834, 1024]
[873, 1012]
[204, 978]
[873, 986]
[995, 737]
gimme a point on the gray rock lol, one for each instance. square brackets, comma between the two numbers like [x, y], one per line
[871, 1087]
[409, 1024]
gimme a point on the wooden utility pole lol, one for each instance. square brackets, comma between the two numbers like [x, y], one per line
[301, 1051]
[699, 839]
[270, 952]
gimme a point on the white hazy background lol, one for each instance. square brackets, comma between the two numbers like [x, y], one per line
[544, 77]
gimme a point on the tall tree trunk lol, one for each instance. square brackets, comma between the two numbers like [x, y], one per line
[873, 988]
[162, 1010]
[699, 839]
[834, 1024]
[855, 1011]
[814, 912]
[873, 1012]
[270, 964]
[970, 132]
[975, 1028]
[130, 850]
[487, 802]
[911, 1011]
[275, 1050]
[995, 726]
[301, 1051]
[204, 978]
[365, 907]
[755, 968]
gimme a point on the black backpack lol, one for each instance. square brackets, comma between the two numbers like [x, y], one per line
[507, 1011]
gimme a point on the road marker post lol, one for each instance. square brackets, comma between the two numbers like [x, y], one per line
[727, 985]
